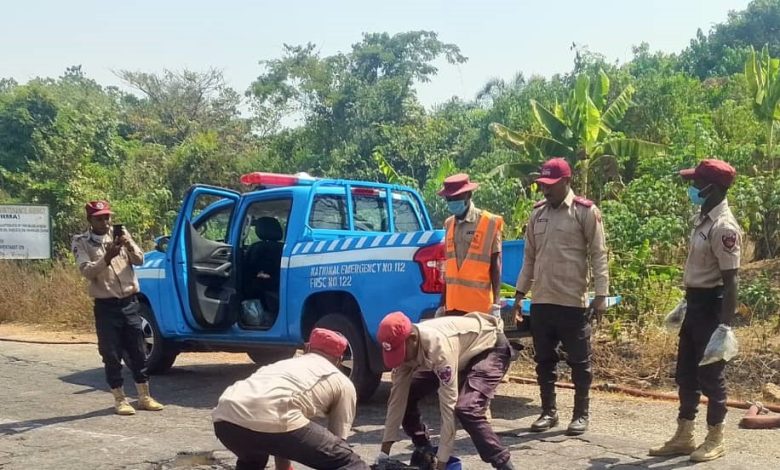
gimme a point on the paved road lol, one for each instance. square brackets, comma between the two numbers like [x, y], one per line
[55, 414]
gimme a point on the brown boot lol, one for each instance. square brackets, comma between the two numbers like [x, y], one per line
[121, 405]
[712, 447]
[682, 443]
[145, 401]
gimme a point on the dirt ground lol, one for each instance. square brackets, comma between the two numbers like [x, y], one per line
[55, 413]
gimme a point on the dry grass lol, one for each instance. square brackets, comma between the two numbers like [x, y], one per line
[648, 361]
[49, 294]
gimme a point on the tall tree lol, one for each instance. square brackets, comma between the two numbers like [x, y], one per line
[344, 99]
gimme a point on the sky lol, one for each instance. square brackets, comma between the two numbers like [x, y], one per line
[41, 38]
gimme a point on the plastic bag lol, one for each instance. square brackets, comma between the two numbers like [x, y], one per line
[252, 313]
[674, 319]
[722, 346]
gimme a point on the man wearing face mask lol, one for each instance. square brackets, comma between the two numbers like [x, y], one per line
[473, 250]
[711, 283]
[564, 232]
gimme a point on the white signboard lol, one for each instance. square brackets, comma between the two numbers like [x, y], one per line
[25, 232]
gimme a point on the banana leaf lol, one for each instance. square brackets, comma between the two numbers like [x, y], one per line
[507, 134]
[556, 127]
[617, 110]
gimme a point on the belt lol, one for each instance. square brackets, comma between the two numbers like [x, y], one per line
[703, 293]
[116, 301]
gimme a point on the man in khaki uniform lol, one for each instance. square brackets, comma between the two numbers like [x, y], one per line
[428, 357]
[563, 233]
[106, 260]
[270, 412]
[711, 284]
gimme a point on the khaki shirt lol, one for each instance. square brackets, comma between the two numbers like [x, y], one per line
[714, 247]
[114, 280]
[286, 395]
[558, 243]
[464, 232]
[447, 344]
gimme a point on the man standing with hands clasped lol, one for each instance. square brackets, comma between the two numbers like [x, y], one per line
[563, 233]
[472, 272]
[106, 259]
[711, 283]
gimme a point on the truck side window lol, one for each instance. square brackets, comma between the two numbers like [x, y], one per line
[370, 212]
[215, 226]
[404, 216]
[329, 212]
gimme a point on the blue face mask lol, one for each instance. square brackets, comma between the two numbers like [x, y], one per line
[693, 195]
[456, 207]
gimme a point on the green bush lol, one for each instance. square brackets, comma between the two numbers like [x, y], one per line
[761, 299]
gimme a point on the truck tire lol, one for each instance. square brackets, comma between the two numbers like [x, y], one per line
[160, 354]
[355, 365]
[263, 357]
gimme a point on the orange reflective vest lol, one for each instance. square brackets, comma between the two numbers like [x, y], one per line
[469, 288]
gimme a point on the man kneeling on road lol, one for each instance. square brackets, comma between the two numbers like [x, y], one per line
[427, 357]
[269, 413]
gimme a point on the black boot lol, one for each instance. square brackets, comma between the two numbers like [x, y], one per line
[581, 418]
[506, 466]
[549, 416]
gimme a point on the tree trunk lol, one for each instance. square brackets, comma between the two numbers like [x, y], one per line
[585, 169]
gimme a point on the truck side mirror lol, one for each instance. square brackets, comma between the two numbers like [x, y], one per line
[161, 243]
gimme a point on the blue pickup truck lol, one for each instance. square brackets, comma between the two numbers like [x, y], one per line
[255, 272]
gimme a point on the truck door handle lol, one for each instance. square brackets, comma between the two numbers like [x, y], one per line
[219, 271]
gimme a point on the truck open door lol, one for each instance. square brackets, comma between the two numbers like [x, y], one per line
[203, 257]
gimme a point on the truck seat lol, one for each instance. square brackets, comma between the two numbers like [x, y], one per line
[264, 255]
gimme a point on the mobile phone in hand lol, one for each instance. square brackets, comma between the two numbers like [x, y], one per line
[119, 229]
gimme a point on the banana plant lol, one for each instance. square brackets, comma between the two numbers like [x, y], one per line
[763, 78]
[581, 130]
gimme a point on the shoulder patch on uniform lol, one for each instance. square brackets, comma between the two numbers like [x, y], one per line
[540, 203]
[583, 201]
[444, 374]
[730, 240]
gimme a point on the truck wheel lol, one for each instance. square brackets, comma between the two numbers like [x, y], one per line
[263, 357]
[160, 354]
[355, 364]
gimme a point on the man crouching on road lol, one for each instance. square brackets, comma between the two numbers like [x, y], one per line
[427, 357]
[269, 413]
[106, 260]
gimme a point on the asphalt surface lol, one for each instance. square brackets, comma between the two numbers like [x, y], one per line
[55, 413]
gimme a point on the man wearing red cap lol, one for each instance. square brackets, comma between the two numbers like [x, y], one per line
[428, 357]
[473, 249]
[106, 260]
[711, 283]
[270, 412]
[564, 232]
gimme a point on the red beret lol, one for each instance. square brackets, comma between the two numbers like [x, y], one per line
[95, 208]
[711, 171]
[327, 342]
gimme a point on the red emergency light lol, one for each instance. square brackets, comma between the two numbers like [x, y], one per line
[264, 179]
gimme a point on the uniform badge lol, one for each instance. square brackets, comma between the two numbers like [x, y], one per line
[445, 375]
[729, 241]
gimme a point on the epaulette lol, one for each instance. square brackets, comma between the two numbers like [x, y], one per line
[583, 201]
[540, 203]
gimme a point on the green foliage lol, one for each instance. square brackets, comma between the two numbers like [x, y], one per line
[582, 128]
[760, 297]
